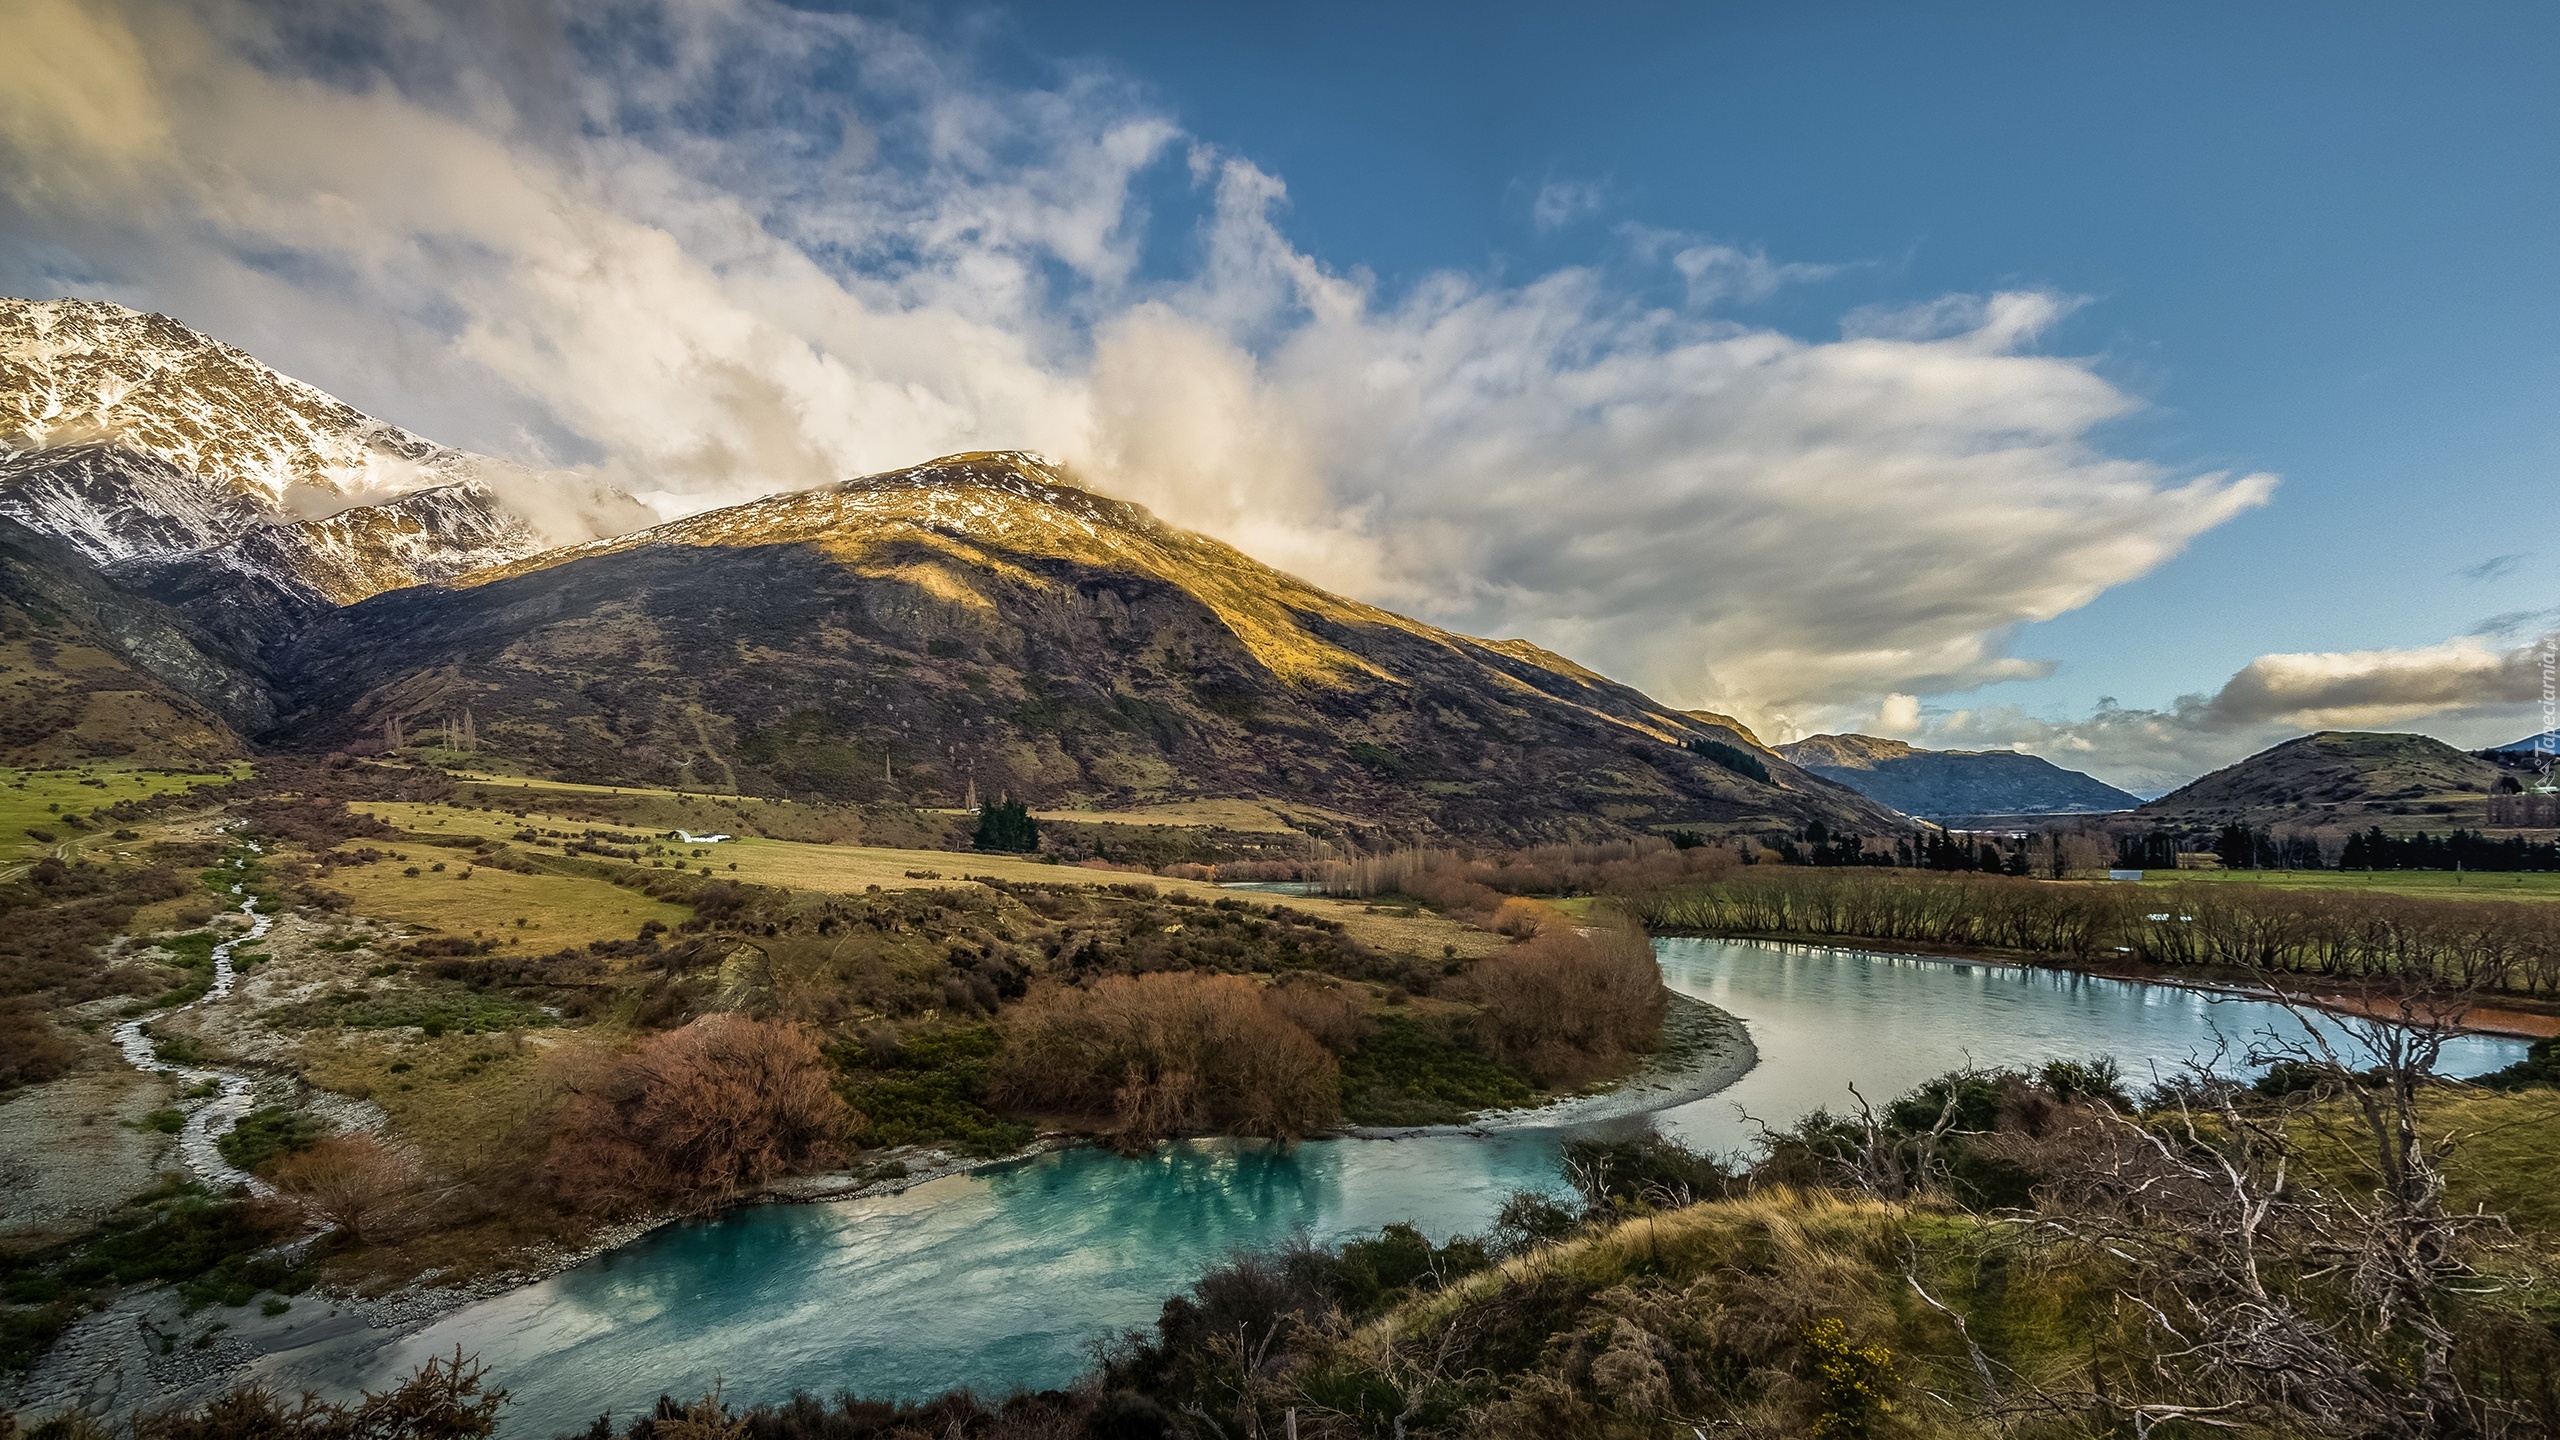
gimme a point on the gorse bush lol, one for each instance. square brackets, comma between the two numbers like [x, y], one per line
[267, 1132]
[1413, 1070]
[927, 1089]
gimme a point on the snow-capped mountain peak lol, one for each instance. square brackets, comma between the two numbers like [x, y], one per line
[158, 450]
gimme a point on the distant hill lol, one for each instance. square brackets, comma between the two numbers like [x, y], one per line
[1954, 785]
[2530, 750]
[2338, 779]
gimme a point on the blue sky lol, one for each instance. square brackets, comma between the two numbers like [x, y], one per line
[2139, 386]
[2320, 240]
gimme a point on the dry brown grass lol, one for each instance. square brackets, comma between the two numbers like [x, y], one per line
[557, 910]
[472, 1105]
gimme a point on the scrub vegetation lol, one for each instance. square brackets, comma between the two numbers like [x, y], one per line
[566, 1022]
[2312, 1250]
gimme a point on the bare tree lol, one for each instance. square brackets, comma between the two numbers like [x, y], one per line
[2282, 1286]
[349, 1180]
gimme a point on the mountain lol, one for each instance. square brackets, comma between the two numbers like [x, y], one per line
[1947, 785]
[2532, 750]
[90, 672]
[212, 477]
[221, 536]
[982, 621]
[1740, 731]
[2338, 779]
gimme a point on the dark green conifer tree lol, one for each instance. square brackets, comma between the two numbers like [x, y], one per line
[1006, 825]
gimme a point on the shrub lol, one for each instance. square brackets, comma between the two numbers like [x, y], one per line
[1520, 917]
[1324, 1010]
[693, 1117]
[1565, 1007]
[267, 1132]
[930, 1090]
[1168, 1053]
[442, 1400]
[1413, 1072]
[31, 1052]
[348, 1180]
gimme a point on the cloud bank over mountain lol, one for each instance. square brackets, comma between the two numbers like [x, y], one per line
[709, 251]
[2479, 689]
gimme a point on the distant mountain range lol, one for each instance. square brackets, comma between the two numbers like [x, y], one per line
[2530, 750]
[1954, 785]
[251, 559]
[2336, 780]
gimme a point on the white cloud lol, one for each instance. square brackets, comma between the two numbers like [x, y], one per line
[1722, 272]
[1561, 202]
[725, 247]
[2467, 690]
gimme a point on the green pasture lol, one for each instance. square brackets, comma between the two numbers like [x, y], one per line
[2425, 884]
[63, 803]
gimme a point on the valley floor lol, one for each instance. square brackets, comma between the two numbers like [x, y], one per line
[366, 1007]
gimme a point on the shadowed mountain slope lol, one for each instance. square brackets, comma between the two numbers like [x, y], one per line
[980, 621]
[88, 672]
[1945, 784]
[2339, 779]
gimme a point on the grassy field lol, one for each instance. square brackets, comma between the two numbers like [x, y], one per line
[567, 787]
[2504, 1148]
[1258, 817]
[2427, 884]
[556, 910]
[463, 1100]
[851, 869]
[38, 799]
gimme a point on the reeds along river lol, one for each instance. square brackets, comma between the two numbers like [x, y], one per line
[1008, 1277]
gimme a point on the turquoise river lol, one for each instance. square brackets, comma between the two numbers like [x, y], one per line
[1009, 1276]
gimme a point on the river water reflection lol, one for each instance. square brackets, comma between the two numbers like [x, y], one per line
[1009, 1277]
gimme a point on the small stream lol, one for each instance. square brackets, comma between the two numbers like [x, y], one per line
[1008, 1277]
[199, 1144]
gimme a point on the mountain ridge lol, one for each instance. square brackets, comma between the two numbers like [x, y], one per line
[1954, 784]
[143, 442]
[981, 621]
